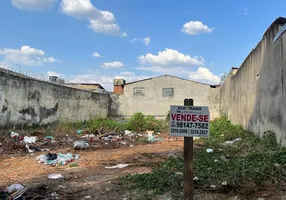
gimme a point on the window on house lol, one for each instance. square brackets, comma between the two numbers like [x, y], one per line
[139, 91]
[168, 92]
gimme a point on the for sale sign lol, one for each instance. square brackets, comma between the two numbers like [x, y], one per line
[189, 121]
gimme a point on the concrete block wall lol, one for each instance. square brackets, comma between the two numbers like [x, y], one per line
[255, 96]
[27, 101]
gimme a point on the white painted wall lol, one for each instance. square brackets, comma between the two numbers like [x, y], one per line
[153, 102]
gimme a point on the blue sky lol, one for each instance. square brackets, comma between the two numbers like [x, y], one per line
[99, 40]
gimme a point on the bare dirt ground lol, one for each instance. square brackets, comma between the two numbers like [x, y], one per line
[90, 179]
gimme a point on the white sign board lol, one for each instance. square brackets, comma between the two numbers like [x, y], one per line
[189, 121]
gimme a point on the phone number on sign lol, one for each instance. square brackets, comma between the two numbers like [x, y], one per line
[192, 125]
[198, 132]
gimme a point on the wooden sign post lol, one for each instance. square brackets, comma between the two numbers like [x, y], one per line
[189, 121]
[188, 162]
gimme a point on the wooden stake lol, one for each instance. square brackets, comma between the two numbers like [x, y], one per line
[188, 162]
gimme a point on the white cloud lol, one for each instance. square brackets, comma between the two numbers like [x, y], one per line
[195, 28]
[204, 75]
[27, 56]
[170, 58]
[109, 65]
[37, 5]
[146, 40]
[100, 21]
[55, 74]
[95, 54]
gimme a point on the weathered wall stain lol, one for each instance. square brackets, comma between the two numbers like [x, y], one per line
[29, 101]
[46, 113]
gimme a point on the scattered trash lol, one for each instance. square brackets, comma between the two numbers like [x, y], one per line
[150, 133]
[79, 131]
[195, 178]
[49, 137]
[213, 186]
[131, 145]
[55, 176]
[76, 156]
[14, 135]
[14, 188]
[90, 137]
[215, 160]
[127, 132]
[124, 143]
[119, 166]
[210, 150]
[152, 138]
[61, 159]
[80, 145]
[87, 197]
[277, 165]
[30, 140]
[232, 141]
[42, 158]
[179, 173]
[224, 183]
[51, 156]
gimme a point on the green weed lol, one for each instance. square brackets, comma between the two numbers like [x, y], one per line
[246, 165]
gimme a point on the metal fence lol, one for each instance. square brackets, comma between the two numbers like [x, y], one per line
[20, 71]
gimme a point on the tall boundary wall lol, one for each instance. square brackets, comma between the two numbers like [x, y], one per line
[254, 96]
[27, 101]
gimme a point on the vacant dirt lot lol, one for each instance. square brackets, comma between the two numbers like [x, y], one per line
[90, 179]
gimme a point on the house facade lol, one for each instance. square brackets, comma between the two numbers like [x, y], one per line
[154, 96]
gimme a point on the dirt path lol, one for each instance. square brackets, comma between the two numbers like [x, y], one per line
[26, 170]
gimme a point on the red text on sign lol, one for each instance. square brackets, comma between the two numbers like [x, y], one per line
[190, 117]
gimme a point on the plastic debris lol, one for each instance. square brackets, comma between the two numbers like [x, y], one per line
[80, 145]
[119, 166]
[87, 197]
[30, 140]
[152, 138]
[55, 176]
[90, 137]
[213, 186]
[79, 131]
[51, 156]
[179, 173]
[195, 178]
[224, 183]
[14, 135]
[49, 137]
[232, 141]
[277, 165]
[76, 156]
[62, 159]
[14, 188]
[127, 132]
[210, 150]
[216, 160]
